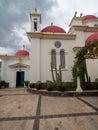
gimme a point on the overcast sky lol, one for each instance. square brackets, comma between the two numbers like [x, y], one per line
[15, 21]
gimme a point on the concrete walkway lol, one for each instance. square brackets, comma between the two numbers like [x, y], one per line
[21, 110]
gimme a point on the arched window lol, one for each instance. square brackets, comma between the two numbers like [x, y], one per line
[35, 26]
[62, 58]
[53, 58]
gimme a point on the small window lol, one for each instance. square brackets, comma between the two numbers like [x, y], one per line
[62, 58]
[35, 18]
[53, 58]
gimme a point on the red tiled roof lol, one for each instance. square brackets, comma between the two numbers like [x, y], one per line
[53, 29]
[91, 38]
[22, 53]
[89, 17]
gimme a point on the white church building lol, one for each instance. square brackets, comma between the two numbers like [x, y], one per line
[51, 45]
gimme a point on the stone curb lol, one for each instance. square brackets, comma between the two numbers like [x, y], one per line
[63, 94]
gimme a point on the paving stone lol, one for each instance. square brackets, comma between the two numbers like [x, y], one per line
[74, 123]
[17, 125]
[58, 105]
[21, 110]
[93, 101]
[21, 105]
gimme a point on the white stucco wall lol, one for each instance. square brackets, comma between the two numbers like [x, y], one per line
[76, 21]
[9, 74]
[91, 22]
[92, 68]
[41, 59]
[35, 60]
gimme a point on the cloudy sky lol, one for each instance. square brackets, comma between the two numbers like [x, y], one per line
[15, 21]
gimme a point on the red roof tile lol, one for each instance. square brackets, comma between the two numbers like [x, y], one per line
[91, 38]
[22, 53]
[53, 29]
[89, 17]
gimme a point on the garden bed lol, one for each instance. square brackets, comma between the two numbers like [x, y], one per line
[63, 94]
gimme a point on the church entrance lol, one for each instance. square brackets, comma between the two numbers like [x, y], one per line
[20, 79]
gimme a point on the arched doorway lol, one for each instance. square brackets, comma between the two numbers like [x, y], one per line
[20, 78]
[20, 71]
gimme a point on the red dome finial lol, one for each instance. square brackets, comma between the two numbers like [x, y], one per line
[51, 23]
[23, 47]
[36, 10]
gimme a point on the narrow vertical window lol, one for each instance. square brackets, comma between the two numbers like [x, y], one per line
[53, 58]
[62, 58]
[35, 26]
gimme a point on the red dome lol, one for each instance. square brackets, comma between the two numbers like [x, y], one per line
[53, 29]
[91, 38]
[22, 53]
[89, 17]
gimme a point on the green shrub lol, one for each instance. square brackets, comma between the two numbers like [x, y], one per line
[38, 85]
[2, 82]
[96, 80]
[26, 82]
[49, 85]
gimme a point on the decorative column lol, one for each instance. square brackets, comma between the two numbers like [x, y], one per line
[78, 89]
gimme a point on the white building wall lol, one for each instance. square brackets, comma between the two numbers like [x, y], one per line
[92, 68]
[76, 21]
[46, 46]
[35, 60]
[80, 38]
[9, 74]
[91, 23]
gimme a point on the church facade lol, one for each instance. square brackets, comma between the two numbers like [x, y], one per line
[51, 46]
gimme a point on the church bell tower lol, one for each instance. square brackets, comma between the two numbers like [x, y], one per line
[35, 21]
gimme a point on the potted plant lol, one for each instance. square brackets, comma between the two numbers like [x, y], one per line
[31, 85]
[96, 80]
[2, 83]
[62, 86]
[49, 85]
[38, 85]
[26, 83]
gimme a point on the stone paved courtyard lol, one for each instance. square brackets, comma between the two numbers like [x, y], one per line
[21, 110]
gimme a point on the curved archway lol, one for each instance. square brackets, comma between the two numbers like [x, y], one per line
[79, 68]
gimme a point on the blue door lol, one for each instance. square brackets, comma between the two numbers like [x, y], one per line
[20, 79]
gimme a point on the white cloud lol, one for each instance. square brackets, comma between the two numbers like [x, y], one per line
[5, 51]
[59, 12]
[21, 32]
[62, 14]
[79, 5]
[13, 9]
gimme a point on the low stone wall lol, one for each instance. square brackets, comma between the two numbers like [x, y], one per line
[63, 94]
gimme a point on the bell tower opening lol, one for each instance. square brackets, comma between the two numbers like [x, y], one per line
[35, 21]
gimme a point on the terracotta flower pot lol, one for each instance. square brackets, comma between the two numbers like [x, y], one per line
[61, 88]
[38, 87]
[49, 89]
